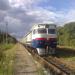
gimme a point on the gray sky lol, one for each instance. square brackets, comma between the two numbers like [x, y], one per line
[22, 14]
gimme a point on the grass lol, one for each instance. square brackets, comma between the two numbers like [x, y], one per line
[70, 59]
[6, 46]
[67, 47]
[7, 57]
[67, 54]
[41, 71]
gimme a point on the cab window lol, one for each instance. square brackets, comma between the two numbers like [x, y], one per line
[51, 31]
[42, 31]
[39, 31]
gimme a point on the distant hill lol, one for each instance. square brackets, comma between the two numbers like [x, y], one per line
[66, 34]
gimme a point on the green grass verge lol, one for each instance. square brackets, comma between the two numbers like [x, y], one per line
[7, 58]
[6, 46]
[41, 71]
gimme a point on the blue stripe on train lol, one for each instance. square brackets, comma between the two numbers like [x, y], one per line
[52, 44]
[43, 43]
[38, 43]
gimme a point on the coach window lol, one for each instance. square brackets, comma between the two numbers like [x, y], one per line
[51, 31]
[42, 31]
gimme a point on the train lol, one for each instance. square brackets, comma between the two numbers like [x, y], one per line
[42, 37]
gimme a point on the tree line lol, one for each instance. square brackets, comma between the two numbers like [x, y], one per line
[10, 39]
[66, 34]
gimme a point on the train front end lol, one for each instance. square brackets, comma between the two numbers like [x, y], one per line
[44, 38]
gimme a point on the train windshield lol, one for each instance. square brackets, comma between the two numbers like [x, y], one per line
[51, 31]
[42, 31]
[39, 31]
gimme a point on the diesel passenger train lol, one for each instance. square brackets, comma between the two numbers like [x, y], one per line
[43, 37]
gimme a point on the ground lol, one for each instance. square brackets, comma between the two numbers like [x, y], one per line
[24, 64]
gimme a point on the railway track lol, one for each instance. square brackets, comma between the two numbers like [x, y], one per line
[63, 68]
[52, 63]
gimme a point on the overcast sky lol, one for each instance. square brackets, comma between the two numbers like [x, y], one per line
[22, 14]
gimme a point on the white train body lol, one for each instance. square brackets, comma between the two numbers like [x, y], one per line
[42, 37]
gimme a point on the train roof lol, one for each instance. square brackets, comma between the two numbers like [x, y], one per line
[43, 25]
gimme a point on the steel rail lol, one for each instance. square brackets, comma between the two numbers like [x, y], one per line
[54, 61]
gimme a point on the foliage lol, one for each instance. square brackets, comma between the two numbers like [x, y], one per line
[66, 34]
[10, 39]
[6, 54]
[6, 61]
[6, 46]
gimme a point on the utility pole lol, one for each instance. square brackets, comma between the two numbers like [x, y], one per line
[6, 32]
[3, 37]
[2, 34]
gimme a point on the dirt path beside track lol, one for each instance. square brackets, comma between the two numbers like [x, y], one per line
[24, 63]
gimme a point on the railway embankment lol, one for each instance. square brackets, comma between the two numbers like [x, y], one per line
[53, 63]
[67, 55]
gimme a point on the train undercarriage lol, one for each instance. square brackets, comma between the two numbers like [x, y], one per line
[46, 51]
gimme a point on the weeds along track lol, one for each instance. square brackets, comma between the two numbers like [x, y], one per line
[51, 63]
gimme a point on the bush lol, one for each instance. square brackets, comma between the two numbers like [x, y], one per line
[2, 55]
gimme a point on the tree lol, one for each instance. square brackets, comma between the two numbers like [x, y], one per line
[67, 34]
